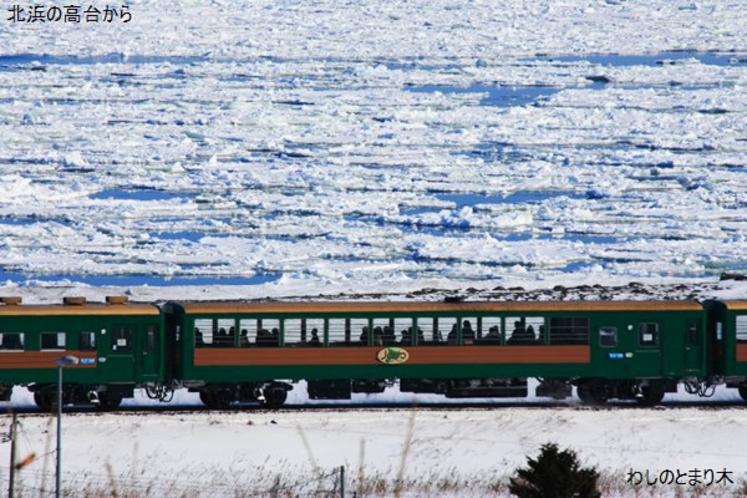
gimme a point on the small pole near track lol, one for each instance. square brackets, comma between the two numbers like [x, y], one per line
[12, 436]
[61, 362]
[342, 481]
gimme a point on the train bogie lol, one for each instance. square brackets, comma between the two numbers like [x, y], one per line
[558, 389]
[220, 396]
[645, 391]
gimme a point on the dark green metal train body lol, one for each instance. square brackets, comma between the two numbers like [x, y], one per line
[728, 349]
[119, 347]
[608, 349]
[252, 351]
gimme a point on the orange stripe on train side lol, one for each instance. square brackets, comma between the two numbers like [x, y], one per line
[423, 355]
[741, 352]
[42, 359]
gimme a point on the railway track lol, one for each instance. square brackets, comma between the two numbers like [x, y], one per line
[385, 406]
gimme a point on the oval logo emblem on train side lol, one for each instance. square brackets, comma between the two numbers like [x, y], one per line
[392, 356]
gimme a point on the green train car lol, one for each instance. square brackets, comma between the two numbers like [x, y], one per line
[609, 349]
[728, 323]
[119, 346]
[258, 351]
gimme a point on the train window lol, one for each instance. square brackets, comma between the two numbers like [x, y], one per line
[203, 333]
[489, 330]
[648, 334]
[53, 340]
[151, 335]
[87, 341]
[427, 330]
[569, 330]
[245, 338]
[340, 332]
[608, 337]
[224, 332]
[315, 332]
[692, 333]
[219, 333]
[525, 331]
[268, 332]
[384, 332]
[447, 327]
[299, 331]
[469, 332]
[359, 330]
[742, 328]
[122, 339]
[403, 331]
[12, 341]
[293, 330]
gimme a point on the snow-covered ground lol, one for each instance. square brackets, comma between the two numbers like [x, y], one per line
[467, 452]
[225, 149]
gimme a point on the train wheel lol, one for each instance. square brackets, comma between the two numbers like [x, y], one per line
[652, 394]
[108, 401]
[591, 393]
[216, 399]
[743, 391]
[46, 399]
[207, 398]
[275, 397]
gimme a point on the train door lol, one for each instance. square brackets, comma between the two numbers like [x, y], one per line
[714, 337]
[648, 349]
[119, 365]
[147, 351]
[132, 354]
[610, 349]
[694, 347]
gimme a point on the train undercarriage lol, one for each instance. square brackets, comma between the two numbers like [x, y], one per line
[273, 394]
[104, 396]
[220, 396]
[738, 383]
[5, 392]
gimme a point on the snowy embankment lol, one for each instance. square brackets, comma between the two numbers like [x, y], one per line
[448, 453]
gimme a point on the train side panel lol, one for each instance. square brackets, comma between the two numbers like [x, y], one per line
[117, 345]
[728, 336]
[255, 343]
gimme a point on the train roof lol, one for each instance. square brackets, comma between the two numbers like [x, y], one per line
[78, 309]
[735, 304]
[273, 307]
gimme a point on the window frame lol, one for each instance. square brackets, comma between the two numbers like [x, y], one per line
[127, 333]
[87, 345]
[740, 329]
[608, 331]
[60, 345]
[644, 328]
[574, 330]
[21, 336]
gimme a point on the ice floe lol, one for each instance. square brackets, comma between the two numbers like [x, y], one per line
[375, 143]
